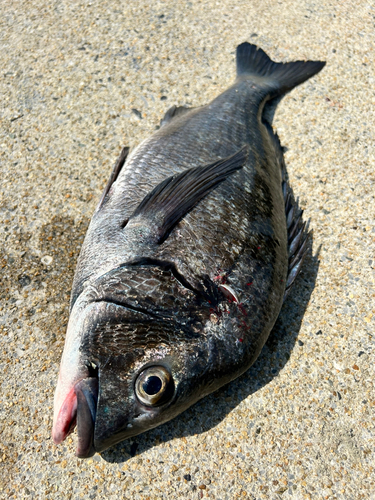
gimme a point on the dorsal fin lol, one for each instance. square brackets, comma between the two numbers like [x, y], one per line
[297, 230]
[115, 173]
[174, 112]
[176, 196]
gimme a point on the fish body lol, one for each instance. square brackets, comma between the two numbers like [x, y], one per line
[185, 264]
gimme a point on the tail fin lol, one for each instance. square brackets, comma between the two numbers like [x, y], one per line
[252, 60]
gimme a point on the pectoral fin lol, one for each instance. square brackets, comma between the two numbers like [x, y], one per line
[175, 197]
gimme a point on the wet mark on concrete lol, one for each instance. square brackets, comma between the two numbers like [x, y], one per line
[35, 281]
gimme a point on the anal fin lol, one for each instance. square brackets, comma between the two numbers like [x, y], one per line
[174, 112]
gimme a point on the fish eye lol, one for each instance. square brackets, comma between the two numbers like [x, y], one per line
[154, 386]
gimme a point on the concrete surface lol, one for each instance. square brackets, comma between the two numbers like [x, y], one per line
[78, 81]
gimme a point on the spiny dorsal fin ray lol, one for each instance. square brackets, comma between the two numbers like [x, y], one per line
[298, 239]
[298, 231]
[175, 197]
[115, 173]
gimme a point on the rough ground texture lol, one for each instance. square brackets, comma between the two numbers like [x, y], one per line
[78, 81]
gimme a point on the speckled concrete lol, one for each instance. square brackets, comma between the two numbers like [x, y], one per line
[78, 81]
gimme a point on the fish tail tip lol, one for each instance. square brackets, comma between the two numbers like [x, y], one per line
[252, 60]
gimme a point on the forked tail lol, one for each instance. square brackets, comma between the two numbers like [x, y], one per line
[282, 77]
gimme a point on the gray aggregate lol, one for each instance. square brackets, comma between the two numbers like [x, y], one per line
[78, 81]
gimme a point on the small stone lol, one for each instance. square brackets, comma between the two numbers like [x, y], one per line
[47, 260]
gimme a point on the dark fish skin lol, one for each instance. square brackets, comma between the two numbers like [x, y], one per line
[185, 265]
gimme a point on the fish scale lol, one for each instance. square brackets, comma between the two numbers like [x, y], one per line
[188, 258]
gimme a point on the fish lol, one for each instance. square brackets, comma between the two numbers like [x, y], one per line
[188, 258]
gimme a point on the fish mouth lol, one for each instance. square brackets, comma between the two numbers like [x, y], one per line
[79, 410]
[87, 399]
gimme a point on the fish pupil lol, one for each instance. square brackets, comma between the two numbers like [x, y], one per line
[152, 385]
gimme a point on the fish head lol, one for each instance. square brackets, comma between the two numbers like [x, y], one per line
[139, 392]
[130, 364]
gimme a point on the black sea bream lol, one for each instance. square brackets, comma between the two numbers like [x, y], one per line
[186, 263]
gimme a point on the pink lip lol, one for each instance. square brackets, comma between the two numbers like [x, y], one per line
[66, 419]
[78, 408]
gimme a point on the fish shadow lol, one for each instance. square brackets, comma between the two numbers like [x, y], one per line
[211, 410]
